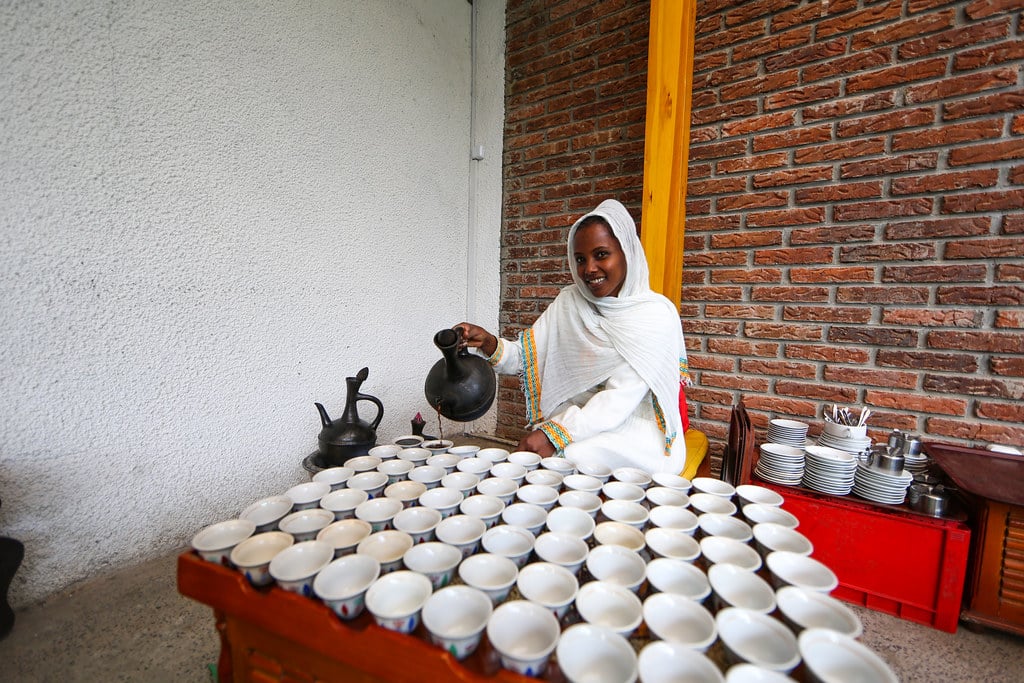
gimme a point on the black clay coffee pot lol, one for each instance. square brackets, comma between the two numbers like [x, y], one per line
[349, 436]
[461, 386]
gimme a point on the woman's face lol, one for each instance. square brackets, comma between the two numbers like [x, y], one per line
[600, 261]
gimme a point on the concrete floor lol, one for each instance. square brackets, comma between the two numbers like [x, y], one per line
[134, 626]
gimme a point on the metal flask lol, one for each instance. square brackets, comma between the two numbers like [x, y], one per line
[461, 386]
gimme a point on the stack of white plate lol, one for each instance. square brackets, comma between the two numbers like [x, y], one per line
[881, 486]
[829, 470]
[845, 443]
[916, 464]
[780, 464]
[788, 432]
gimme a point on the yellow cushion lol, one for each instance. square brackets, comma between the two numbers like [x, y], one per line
[696, 451]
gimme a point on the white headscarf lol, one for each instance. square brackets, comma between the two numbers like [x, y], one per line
[581, 339]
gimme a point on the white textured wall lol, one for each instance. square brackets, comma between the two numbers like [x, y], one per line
[211, 214]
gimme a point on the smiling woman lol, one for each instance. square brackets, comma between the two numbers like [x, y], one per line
[602, 367]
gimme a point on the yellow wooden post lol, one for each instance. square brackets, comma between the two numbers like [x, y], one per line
[667, 144]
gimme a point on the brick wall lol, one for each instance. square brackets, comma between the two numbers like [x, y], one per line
[855, 229]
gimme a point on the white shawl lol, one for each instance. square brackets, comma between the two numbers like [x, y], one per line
[580, 339]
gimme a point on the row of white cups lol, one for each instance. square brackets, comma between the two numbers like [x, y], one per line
[592, 553]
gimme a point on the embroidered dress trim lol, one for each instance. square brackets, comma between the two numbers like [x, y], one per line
[531, 380]
[556, 434]
[684, 372]
[660, 416]
[499, 352]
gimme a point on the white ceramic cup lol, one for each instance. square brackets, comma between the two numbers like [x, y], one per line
[343, 583]
[538, 494]
[587, 652]
[527, 459]
[512, 542]
[715, 487]
[416, 455]
[462, 531]
[407, 441]
[304, 525]
[831, 656]
[617, 533]
[672, 481]
[509, 470]
[444, 500]
[672, 543]
[386, 451]
[713, 524]
[435, 560]
[456, 617]
[345, 535]
[769, 537]
[756, 513]
[396, 469]
[379, 512]
[387, 547]
[294, 567]
[677, 619]
[267, 512]
[395, 600]
[572, 521]
[588, 502]
[419, 522]
[565, 550]
[475, 465]
[464, 451]
[666, 662]
[676, 576]
[556, 464]
[371, 481]
[549, 585]
[736, 587]
[524, 635]
[597, 470]
[525, 515]
[446, 461]
[749, 494]
[428, 475]
[308, 495]
[617, 564]
[215, 542]
[662, 495]
[486, 508]
[708, 502]
[804, 609]
[633, 514]
[493, 455]
[253, 555]
[363, 463]
[335, 477]
[632, 475]
[791, 569]
[343, 502]
[499, 487]
[623, 490]
[463, 482]
[723, 550]
[756, 638]
[493, 574]
[609, 605]
[582, 482]
[545, 477]
[674, 517]
[406, 492]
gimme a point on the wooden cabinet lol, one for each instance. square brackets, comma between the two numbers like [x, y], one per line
[996, 588]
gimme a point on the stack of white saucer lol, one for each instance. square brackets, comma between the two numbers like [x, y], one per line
[829, 470]
[788, 432]
[881, 486]
[780, 464]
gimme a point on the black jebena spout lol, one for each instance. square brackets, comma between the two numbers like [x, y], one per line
[461, 386]
[348, 436]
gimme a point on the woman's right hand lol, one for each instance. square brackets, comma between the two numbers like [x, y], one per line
[476, 337]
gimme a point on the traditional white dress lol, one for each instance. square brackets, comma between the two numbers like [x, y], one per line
[601, 376]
